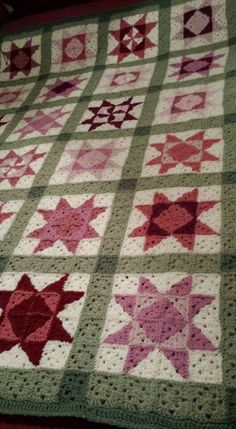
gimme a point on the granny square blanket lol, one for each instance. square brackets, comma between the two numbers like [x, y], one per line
[117, 217]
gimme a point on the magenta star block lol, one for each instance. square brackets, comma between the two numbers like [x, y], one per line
[41, 122]
[67, 224]
[163, 321]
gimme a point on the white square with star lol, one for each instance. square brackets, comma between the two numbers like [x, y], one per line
[20, 58]
[63, 87]
[53, 304]
[91, 161]
[125, 78]
[174, 220]
[66, 226]
[14, 96]
[194, 66]
[112, 114]
[74, 47]
[193, 151]
[185, 104]
[163, 326]
[133, 38]
[42, 122]
[18, 167]
[198, 23]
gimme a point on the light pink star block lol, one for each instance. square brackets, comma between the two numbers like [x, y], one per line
[91, 160]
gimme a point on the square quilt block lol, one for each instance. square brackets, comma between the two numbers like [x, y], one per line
[91, 160]
[8, 212]
[185, 104]
[110, 114]
[174, 220]
[42, 122]
[163, 326]
[133, 38]
[197, 23]
[40, 314]
[125, 78]
[18, 167]
[194, 66]
[67, 225]
[74, 47]
[14, 96]
[194, 151]
[62, 88]
[20, 58]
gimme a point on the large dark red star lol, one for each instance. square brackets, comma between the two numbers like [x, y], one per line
[112, 114]
[178, 219]
[30, 317]
[21, 59]
[132, 39]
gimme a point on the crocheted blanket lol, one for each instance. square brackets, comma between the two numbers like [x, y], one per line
[117, 217]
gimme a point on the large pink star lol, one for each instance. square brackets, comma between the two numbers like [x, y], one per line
[162, 321]
[67, 224]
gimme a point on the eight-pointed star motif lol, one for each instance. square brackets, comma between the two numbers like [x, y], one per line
[178, 219]
[29, 317]
[133, 38]
[67, 224]
[13, 166]
[202, 65]
[41, 122]
[93, 160]
[190, 152]
[163, 321]
[21, 59]
[62, 87]
[108, 113]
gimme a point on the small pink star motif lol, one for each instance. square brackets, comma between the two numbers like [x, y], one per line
[190, 152]
[15, 166]
[202, 65]
[163, 321]
[62, 87]
[67, 224]
[8, 97]
[90, 159]
[41, 122]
